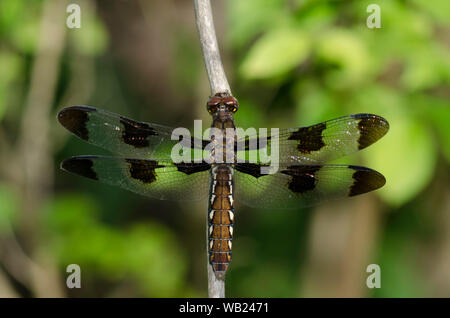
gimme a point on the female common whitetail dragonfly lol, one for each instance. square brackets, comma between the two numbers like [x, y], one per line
[302, 178]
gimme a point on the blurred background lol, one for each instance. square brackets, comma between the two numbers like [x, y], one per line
[290, 63]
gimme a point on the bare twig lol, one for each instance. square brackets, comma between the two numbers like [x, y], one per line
[219, 84]
[208, 42]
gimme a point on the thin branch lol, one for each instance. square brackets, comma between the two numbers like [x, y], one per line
[219, 84]
[210, 49]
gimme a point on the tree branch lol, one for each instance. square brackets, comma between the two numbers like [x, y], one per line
[208, 41]
[219, 84]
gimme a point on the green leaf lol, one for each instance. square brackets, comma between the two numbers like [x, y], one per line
[11, 66]
[406, 156]
[437, 110]
[251, 17]
[68, 212]
[316, 18]
[249, 114]
[314, 105]
[9, 11]
[347, 55]
[275, 53]
[26, 36]
[146, 253]
[2, 102]
[9, 207]
[426, 67]
[438, 9]
[155, 258]
[399, 275]
[92, 38]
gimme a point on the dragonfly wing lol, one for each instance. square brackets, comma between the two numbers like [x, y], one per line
[297, 186]
[321, 142]
[160, 179]
[121, 135]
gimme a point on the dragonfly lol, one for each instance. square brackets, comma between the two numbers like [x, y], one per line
[143, 164]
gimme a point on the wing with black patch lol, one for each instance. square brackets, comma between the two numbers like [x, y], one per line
[122, 135]
[294, 186]
[160, 179]
[321, 142]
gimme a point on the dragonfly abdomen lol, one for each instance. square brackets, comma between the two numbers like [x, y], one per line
[221, 219]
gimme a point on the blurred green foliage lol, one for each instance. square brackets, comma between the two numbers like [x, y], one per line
[328, 63]
[78, 236]
[334, 65]
[9, 208]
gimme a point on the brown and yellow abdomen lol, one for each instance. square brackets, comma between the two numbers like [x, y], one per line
[221, 219]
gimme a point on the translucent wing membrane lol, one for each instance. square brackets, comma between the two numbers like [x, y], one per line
[121, 135]
[160, 179]
[302, 185]
[301, 179]
[322, 142]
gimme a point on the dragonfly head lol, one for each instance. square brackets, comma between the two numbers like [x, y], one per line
[222, 106]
